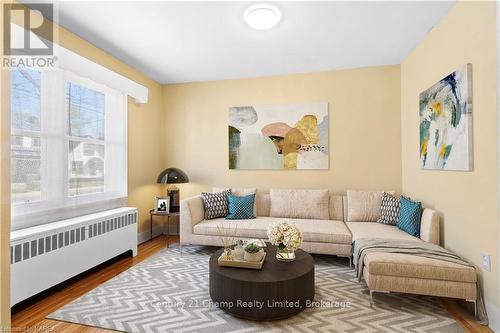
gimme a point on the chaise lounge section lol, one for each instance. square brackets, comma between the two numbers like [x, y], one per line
[406, 273]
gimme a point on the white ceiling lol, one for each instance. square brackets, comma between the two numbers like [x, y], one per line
[176, 42]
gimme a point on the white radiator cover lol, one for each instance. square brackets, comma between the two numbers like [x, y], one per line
[46, 255]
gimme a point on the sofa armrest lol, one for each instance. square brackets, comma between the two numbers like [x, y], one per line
[429, 226]
[192, 213]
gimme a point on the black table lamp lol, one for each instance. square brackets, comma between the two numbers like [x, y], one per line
[173, 176]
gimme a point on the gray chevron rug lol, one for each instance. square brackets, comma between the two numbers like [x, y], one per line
[169, 293]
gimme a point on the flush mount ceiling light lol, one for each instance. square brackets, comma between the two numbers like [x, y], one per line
[262, 16]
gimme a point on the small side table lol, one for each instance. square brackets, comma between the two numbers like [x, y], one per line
[168, 215]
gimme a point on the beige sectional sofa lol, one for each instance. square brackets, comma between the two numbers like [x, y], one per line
[383, 272]
[330, 236]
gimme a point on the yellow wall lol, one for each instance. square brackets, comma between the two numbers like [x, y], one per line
[365, 125]
[468, 201]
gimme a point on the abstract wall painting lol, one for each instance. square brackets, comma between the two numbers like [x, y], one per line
[280, 137]
[446, 123]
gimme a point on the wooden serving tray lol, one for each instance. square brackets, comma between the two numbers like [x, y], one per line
[242, 263]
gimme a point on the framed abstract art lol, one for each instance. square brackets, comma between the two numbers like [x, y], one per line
[289, 137]
[446, 123]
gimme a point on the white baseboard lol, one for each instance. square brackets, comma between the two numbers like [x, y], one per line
[158, 230]
[494, 317]
[145, 235]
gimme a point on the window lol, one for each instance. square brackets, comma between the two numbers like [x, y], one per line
[68, 143]
[25, 135]
[85, 109]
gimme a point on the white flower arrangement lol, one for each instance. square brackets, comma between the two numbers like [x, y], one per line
[284, 235]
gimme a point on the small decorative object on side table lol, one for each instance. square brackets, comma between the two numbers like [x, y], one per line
[162, 205]
[287, 239]
[172, 176]
[154, 212]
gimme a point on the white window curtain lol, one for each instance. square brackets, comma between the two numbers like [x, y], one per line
[69, 146]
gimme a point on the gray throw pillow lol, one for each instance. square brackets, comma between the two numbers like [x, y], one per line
[215, 204]
[389, 209]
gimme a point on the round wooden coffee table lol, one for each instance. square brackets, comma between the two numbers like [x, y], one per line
[279, 290]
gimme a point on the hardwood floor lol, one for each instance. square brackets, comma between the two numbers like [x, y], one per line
[30, 316]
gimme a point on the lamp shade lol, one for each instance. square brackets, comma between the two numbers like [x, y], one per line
[172, 176]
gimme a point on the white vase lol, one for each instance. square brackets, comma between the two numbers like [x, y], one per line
[239, 252]
[253, 256]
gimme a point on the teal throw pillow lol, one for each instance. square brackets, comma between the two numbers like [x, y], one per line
[410, 213]
[240, 208]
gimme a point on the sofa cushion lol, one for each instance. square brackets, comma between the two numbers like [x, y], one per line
[240, 192]
[336, 208]
[406, 265]
[302, 204]
[364, 206]
[324, 231]
[240, 207]
[441, 288]
[321, 231]
[263, 202]
[255, 228]
[336, 205]
[376, 230]
[389, 209]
